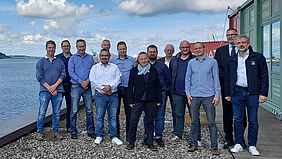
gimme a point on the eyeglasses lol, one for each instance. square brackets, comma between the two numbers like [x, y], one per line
[231, 34]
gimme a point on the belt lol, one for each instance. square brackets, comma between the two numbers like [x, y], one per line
[241, 88]
[66, 83]
[105, 94]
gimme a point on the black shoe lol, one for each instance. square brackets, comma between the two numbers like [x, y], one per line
[145, 142]
[130, 146]
[93, 136]
[160, 142]
[228, 144]
[152, 147]
[74, 136]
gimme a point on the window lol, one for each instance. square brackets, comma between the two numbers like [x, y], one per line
[266, 45]
[275, 32]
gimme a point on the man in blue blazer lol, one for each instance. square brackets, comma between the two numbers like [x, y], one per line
[246, 85]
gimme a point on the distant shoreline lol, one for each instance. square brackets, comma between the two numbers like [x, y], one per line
[19, 57]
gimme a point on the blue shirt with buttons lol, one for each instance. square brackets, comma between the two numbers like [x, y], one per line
[124, 65]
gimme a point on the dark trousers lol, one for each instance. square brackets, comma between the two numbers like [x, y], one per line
[227, 111]
[67, 88]
[150, 111]
[122, 94]
[169, 94]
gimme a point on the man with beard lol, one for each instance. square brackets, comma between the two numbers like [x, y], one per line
[164, 77]
[246, 83]
[105, 77]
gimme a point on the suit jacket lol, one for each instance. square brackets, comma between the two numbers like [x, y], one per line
[162, 59]
[257, 75]
[222, 56]
[137, 87]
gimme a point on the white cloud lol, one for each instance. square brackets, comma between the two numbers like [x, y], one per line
[4, 28]
[2, 37]
[30, 39]
[51, 9]
[61, 17]
[155, 7]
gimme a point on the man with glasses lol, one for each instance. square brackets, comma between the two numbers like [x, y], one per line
[105, 77]
[222, 55]
[65, 56]
[178, 68]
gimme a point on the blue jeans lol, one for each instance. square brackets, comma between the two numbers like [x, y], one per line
[44, 98]
[103, 103]
[159, 119]
[207, 104]
[76, 92]
[240, 100]
[180, 103]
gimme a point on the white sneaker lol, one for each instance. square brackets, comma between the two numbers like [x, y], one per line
[175, 139]
[237, 148]
[199, 143]
[253, 150]
[98, 140]
[116, 141]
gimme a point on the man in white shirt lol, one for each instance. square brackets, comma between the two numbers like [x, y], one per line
[105, 77]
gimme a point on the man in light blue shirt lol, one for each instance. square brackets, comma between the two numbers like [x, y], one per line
[79, 68]
[125, 63]
[202, 87]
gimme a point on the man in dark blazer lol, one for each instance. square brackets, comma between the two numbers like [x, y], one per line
[246, 85]
[222, 56]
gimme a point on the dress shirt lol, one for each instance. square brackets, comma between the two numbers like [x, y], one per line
[230, 49]
[101, 75]
[166, 62]
[124, 65]
[202, 78]
[241, 70]
[79, 68]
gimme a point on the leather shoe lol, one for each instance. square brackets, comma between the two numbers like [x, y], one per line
[160, 142]
[228, 144]
[192, 149]
[130, 146]
[152, 147]
[93, 136]
[74, 136]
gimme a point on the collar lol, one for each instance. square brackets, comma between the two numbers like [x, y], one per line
[122, 59]
[205, 57]
[246, 55]
[46, 57]
[230, 46]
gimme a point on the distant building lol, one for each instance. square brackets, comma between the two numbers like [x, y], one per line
[2, 55]
[260, 20]
[210, 47]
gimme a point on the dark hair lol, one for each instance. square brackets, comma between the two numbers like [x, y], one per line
[106, 40]
[105, 50]
[152, 46]
[64, 41]
[80, 40]
[232, 29]
[50, 42]
[121, 43]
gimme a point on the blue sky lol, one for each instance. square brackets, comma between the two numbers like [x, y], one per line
[25, 25]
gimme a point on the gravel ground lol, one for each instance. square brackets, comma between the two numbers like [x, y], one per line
[84, 147]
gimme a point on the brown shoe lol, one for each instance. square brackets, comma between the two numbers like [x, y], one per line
[192, 149]
[58, 136]
[215, 151]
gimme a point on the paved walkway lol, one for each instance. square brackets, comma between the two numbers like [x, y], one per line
[269, 137]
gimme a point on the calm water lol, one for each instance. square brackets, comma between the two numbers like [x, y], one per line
[18, 87]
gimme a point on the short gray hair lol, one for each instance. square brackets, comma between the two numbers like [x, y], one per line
[240, 37]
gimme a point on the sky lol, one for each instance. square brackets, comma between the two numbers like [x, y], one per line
[26, 25]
